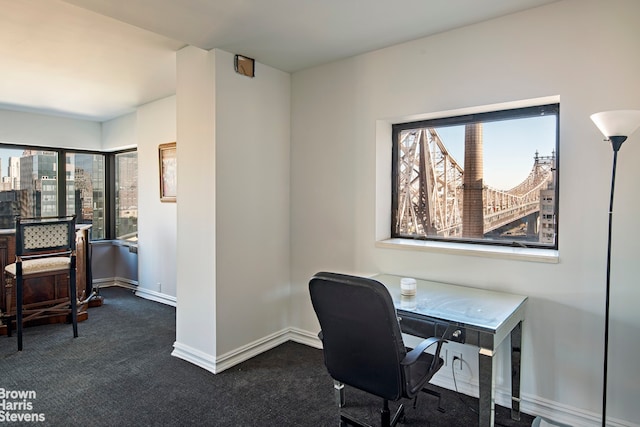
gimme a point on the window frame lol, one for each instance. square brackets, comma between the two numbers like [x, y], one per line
[111, 167]
[109, 171]
[549, 108]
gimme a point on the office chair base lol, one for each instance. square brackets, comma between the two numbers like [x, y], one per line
[348, 420]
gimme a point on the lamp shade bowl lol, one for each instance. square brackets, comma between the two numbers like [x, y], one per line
[617, 122]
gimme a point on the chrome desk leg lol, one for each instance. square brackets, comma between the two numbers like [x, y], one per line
[516, 352]
[486, 400]
[339, 393]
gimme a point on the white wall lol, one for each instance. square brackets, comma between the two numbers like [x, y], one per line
[157, 222]
[233, 209]
[120, 132]
[196, 241]
[151, 125]
[582, 51]
[48, 131]
[252, 203]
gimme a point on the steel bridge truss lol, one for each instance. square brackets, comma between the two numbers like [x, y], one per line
[430, 189]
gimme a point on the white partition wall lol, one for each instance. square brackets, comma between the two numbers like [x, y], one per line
[196, 208]
[252, 209]
[233, 209]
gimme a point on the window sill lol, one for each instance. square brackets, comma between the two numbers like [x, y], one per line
[501, 252]
[133, 246]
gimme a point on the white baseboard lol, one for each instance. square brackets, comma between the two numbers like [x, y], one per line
[217, 364]
[133, 285]
[558, 413]
[156, 296]
[115, 281]
[195, 356]
[246, 352]
[305, 337]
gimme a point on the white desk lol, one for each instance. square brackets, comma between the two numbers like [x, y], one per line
[472, 316]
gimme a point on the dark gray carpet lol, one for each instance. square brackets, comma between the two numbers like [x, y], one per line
[119, 372]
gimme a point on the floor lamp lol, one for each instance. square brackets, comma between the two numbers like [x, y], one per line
[616, 127]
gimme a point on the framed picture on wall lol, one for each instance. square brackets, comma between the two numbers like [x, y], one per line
[168, 171]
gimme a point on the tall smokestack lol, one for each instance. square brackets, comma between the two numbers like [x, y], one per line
[472, 207]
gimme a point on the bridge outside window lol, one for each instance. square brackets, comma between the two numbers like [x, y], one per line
[487, 178]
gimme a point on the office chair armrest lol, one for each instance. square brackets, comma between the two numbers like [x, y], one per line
[414, 354]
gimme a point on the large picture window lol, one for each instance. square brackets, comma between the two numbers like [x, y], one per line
[29, 187]
[487, 178]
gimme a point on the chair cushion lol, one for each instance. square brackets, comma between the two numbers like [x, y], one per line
[40, 265]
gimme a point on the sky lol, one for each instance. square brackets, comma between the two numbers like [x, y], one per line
[509, 147]
[4, 158]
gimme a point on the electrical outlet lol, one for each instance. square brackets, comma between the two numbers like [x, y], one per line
[457, 364]
[449, 355]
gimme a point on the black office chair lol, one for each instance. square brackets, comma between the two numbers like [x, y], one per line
[363, 345]
[44, 246]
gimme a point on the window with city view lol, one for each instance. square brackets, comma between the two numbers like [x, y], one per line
[481, 178]
[29, 184]
[126, 195]
[29, 188]
[85, 180]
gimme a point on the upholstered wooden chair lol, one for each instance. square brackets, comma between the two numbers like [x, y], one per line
[44, 247]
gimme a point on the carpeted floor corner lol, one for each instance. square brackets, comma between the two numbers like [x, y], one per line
[120, 372]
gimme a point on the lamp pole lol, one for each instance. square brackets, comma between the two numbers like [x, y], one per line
[616, 126]
[616, 143]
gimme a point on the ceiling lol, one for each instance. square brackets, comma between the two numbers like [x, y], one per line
[98, 59]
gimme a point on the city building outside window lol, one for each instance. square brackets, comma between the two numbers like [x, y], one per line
[29, 184]
[126, 210]
[29, 187]
[85, 179]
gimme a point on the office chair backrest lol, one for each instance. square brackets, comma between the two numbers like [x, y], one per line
[361, 337]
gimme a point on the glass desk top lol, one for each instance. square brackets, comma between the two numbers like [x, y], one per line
[478, 308]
